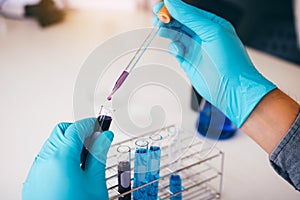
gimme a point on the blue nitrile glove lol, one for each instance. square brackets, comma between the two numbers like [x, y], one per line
[214, 60]
[56, 173]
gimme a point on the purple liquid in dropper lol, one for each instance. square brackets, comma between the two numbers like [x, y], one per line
[118, 84]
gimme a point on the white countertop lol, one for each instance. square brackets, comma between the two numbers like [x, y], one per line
[38, 70]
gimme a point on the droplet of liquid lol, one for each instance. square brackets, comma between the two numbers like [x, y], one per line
[109, 98]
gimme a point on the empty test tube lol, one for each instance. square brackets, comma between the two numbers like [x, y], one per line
[174, 161]
[124, 171]
[140, 168]
[174, 147]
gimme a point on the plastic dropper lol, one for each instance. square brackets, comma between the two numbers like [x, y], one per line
[164, 17]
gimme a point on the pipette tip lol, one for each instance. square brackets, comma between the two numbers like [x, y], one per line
[111, 94]
[118, 84]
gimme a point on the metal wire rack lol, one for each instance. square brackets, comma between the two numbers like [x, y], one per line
[200, 169]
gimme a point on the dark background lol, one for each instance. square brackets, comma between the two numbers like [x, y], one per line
[266, 25]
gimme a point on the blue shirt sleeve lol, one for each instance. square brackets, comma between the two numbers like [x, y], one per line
[285, 159]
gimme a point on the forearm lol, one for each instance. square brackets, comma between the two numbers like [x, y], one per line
[271, 119]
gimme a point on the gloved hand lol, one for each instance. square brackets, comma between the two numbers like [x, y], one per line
[214, 59]
[56, 173]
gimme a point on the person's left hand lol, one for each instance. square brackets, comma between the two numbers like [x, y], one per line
[56, 173]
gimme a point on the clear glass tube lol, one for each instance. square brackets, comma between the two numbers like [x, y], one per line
[123, 153]
[104, 119]
[101, 124]
[141, 145]
[140, 168]
[174, 153]
[155, 141]
[174, 147]
[124, 171]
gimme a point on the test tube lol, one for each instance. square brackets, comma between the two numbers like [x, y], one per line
[104, 119]
[174, 161]
[102, 124]
[154, 165]
[140, 168]
[124, 171]
[174, 147]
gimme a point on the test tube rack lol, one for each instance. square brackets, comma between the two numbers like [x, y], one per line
[201, 175]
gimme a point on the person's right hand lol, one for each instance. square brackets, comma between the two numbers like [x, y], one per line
[214, 59]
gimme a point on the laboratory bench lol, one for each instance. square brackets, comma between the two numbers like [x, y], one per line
[39, 69]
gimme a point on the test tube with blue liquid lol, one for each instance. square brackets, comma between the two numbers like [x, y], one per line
[154, 165]
[124, 171]
[140, 168]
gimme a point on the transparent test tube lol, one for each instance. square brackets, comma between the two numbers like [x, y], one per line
[174, 147]
[174, 154]
[124, 171]
[140, 168]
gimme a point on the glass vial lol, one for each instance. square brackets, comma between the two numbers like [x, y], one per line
[154, 165]
[124, 171]
[174, 147]
[101, 124]
[174, 153]
[104, 119]
[140, 168]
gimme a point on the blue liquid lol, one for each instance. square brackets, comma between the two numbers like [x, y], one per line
[213, 124]
[140, 170]
[153, 172]
[175, 186]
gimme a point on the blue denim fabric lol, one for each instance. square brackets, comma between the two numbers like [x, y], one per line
[285, 159]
